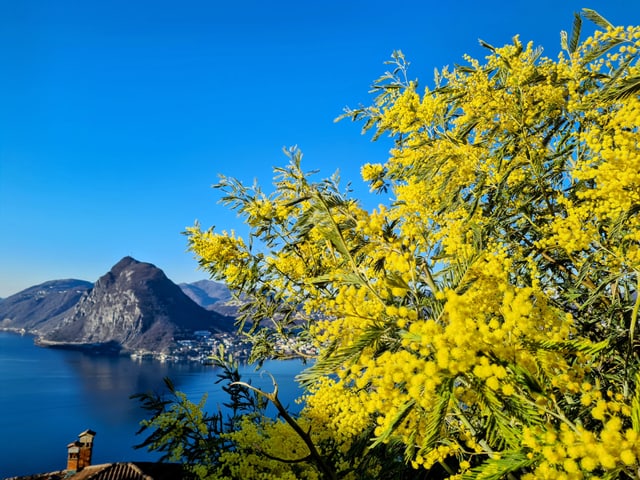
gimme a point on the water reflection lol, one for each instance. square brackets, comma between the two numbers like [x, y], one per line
[59, 393]
[108, 382]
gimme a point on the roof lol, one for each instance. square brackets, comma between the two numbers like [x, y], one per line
[119, 471]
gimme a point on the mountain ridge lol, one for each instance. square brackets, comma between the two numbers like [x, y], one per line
[134, 307]
[33, 308]
[214, 296]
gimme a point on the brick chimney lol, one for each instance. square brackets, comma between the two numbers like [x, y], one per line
[73, 456]
[86, 448]
[79, 452]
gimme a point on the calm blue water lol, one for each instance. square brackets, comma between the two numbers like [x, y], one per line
[47, 397]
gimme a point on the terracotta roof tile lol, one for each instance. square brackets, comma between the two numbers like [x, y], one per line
[120, 471]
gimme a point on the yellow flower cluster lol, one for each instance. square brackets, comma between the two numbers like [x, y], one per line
[480, 333]
[373, 173]
[402, 115]
[575, 452]
[610, 191]
[225, 254]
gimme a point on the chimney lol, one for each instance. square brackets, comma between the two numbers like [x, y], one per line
[86, 448]
[79, 452]
[73, 455]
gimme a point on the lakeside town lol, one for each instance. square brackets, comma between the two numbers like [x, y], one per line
[199, 346]
[203, 344]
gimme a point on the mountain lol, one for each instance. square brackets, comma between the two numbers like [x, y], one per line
[206, 292]
[38, 308]
[134, 307]
[212, 295]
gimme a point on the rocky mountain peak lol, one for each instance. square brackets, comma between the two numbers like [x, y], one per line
[129, 271]
[124, 265]
[137, 307]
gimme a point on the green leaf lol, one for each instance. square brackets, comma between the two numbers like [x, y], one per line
[596, 18]
[635, 406]
[334, 357]
[402, 413]
[628, 87]
[575, 33]
[601, 50]
[342, 278]
[499, 468]
[486, 45]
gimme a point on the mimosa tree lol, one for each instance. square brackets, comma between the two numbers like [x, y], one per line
[483, 324]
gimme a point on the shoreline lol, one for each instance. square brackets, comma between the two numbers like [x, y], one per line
[201, 355]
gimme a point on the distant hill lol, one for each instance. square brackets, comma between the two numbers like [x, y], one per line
[40, 307]
[134, 307]
[206, 292]
[214, 296]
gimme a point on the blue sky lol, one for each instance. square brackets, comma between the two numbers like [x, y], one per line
[117, 116]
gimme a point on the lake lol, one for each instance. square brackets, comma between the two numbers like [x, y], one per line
[49, 396]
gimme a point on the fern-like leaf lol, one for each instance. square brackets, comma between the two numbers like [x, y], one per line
[499, 468]
[437, 416]
[575, 33]
[596, 18]
[397, 420]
